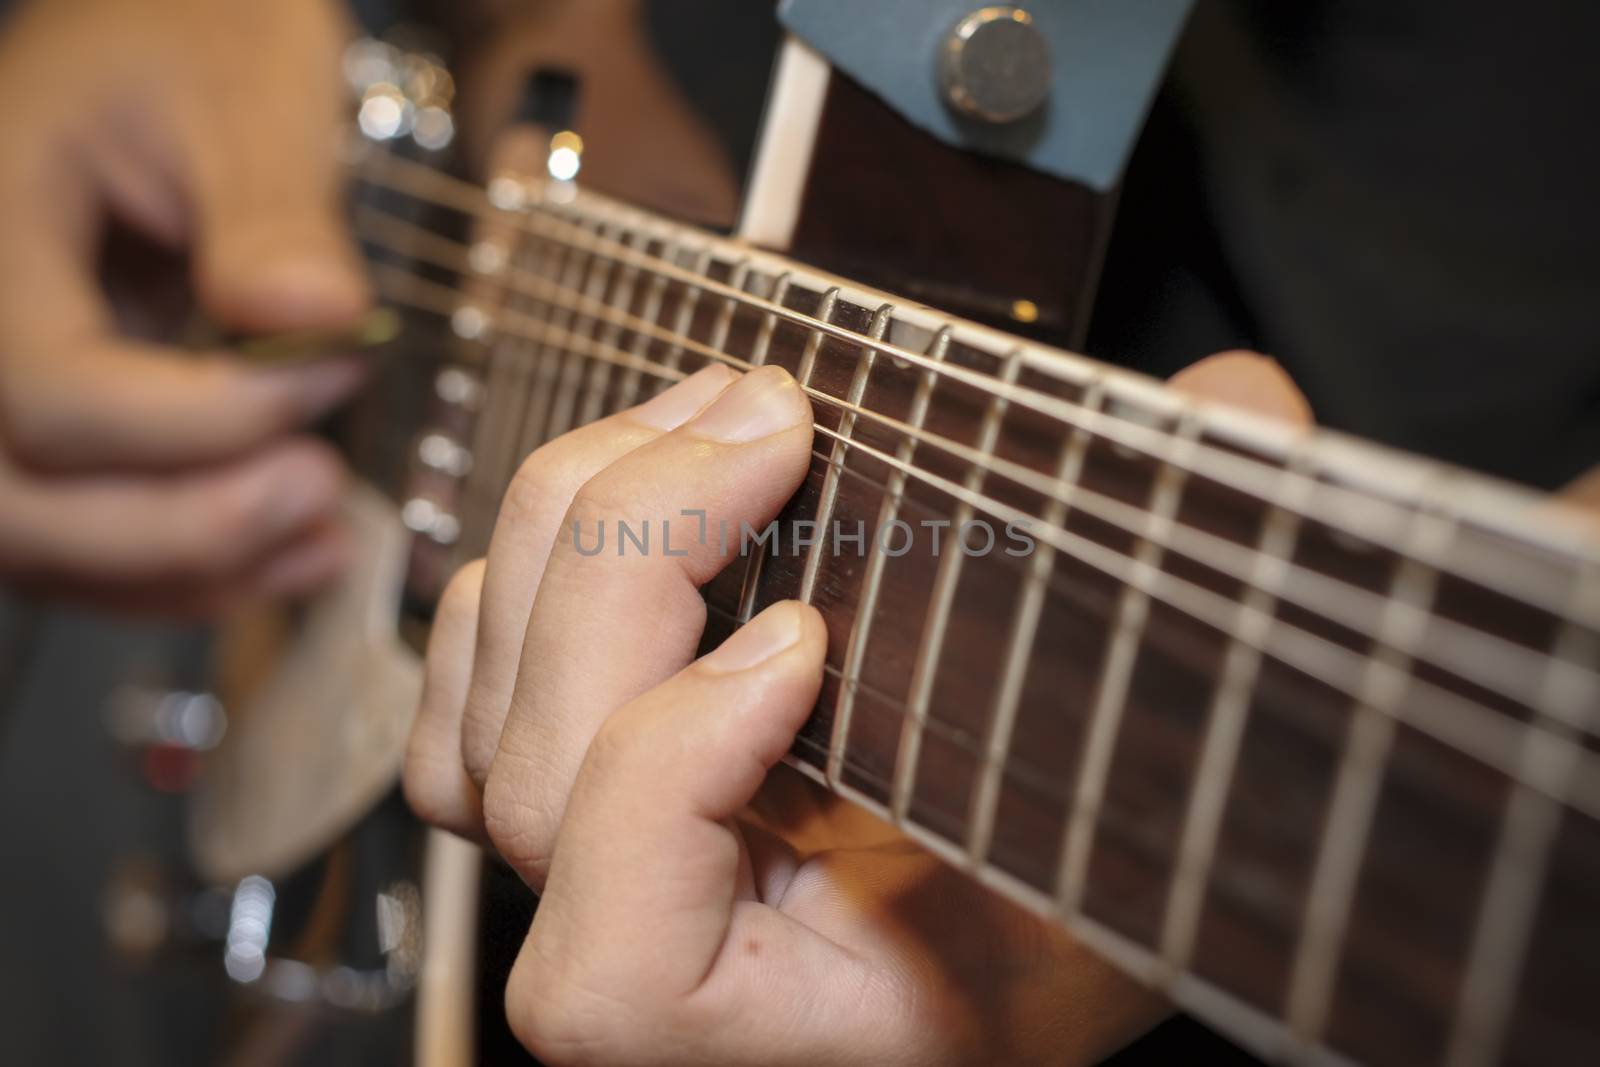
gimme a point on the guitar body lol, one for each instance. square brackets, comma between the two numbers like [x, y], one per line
[1230, 722]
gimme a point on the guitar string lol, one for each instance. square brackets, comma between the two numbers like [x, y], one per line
[1495, 664]
[1335, 509]
[1015, 767]
[1239, 885]
[804, 740]
[1491, 664]
[1455, 721]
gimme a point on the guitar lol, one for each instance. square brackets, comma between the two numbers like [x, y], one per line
[1298, 730]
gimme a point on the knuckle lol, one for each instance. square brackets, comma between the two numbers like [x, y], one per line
[521, 828]
[217, 526]
[624, 747]
[600, 499]
[612, 748]
[478, 741]
[536, 485]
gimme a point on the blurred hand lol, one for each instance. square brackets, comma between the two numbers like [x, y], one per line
[699, 904]
[130, 473]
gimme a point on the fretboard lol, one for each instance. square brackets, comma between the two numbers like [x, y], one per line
[1298, 730]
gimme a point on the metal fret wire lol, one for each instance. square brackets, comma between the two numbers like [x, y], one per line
[599, 384]
[1509, 907]
[1458, 723]
[1313, 979]
[1226, 721]
[837, 754]
[580, 264]
[1472, 1053]
[1019, 653]
[1486, 660]
[564, 411]
[1344, 510]
[752, 570]
[1040, 780]
[510, 354]
[521, 350]
[1326, 596]
[655, 296]
[871, 582]
[930, 648]
[1116, 674]
[830, 480]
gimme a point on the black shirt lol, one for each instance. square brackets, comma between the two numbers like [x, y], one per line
[1395, 198]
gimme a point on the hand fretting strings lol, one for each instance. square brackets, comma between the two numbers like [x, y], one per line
[553, 305]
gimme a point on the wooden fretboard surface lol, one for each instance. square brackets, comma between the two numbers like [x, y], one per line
[1299, 730]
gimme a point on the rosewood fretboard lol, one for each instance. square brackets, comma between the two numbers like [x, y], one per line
[1301, 731]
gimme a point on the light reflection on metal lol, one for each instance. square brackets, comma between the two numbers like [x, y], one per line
[487, 257]
[440, 453]
[398, 914]
[456, 386]
[566, 156]
[507, 193]
[249, 929]
[469, 323]
[994, 65]
[426, 517]
[564, 164]
[137, 715]
[434, 128]
[385, 114]
[401, 94]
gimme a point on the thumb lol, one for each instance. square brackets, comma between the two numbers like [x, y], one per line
[645, 855]
[280, 264]
[276, 258]
[271, 248]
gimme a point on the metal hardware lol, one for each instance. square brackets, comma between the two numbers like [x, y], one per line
[439, 452]
[246, 959]
[402, 94]
[428, 518]
[458, 388]
[995, 65]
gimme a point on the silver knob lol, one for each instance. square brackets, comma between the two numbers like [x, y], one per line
[995, 65]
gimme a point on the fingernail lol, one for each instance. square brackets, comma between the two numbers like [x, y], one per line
[305, 569]
[678, 405]
[773, 631]
[319, 387]
[306, 290]
[764, 402]
[299, 490]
